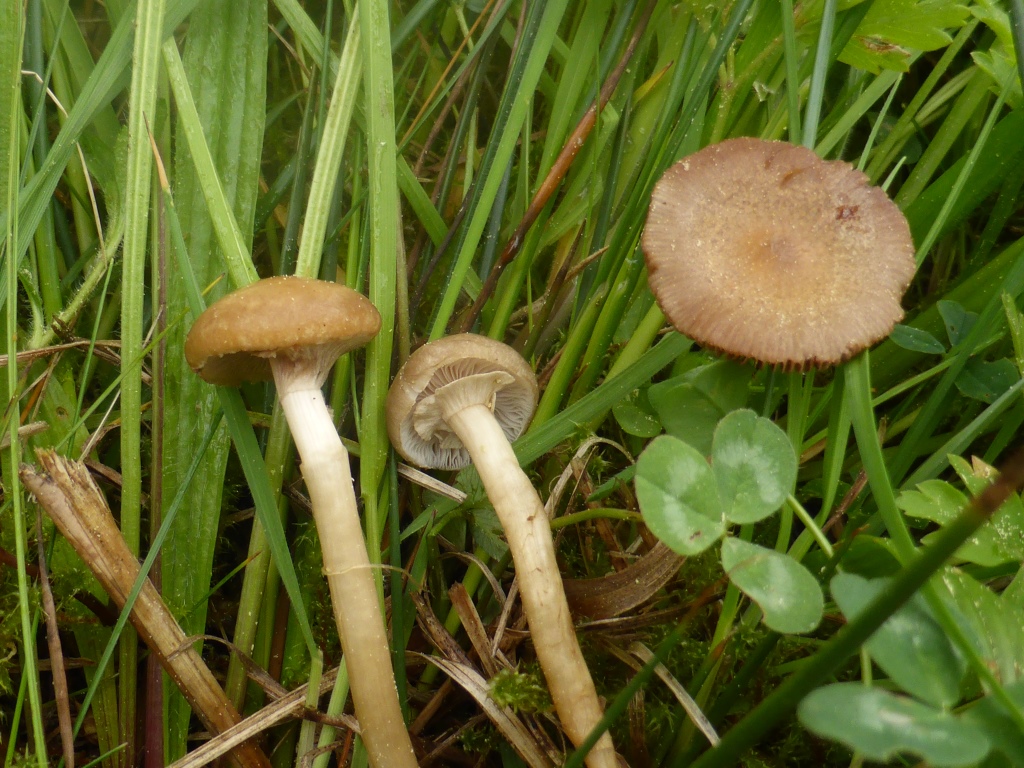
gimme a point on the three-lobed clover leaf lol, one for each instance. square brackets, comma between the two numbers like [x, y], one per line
[686, 502]
[754, 465]
[787, 593]
[880, 725]
[677, 494]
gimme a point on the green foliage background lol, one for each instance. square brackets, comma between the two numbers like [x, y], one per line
[417, 152]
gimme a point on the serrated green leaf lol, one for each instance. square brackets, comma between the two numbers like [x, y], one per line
[881, 725]
[1000, 541]
[1013, 596]
[974, 480]
[934, 500]
[892, 28]
[1001, 67]
[487, 532]
[920, 24]
[994, 622]
[754, 465]
[910, 646]
[678, 497]
[995, 18]
[1000, 61]
[785, 591]
[874, 55]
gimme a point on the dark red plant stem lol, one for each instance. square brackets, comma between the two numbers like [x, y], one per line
[102, 611]
[558, 170]
[552, 297]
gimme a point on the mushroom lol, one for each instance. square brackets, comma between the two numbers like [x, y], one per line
[765, 251]
[465, 398]
[762, 250]
[293, 329]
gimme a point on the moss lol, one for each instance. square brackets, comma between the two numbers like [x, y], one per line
[523, 691]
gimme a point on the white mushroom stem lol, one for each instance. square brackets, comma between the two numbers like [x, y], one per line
[528, 531]
[357, 610]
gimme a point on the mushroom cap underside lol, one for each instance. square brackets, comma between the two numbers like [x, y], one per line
[765, 251]
[294, 318]
[456, 366]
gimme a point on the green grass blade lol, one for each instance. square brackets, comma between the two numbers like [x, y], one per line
[1003, 150]
[229, 235]
[576, 81]
[821, 62]
[964, 110]
[625, 239]
[248, 451]
[596, 404]
[905, 122]
[383, 222]
[792, 58]
[959, 185]
[421, 205]
[332, 147]
[219, 83]
[841, 130]
[10, 119]
[534, 44]
[145, 70]
[106, 81]
[858, 391]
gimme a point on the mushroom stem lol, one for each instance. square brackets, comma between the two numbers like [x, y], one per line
[528, 531]
[325, 468]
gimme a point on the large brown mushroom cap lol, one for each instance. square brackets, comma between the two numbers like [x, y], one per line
[293, 318]
[762, 250]
[491, 371]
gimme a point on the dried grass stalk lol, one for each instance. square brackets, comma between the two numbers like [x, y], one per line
[71, 498]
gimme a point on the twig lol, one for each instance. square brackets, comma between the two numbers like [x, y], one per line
[80, 512]
[57, 673]
[286, 708]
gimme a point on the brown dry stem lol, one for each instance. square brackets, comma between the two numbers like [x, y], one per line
[71, 498]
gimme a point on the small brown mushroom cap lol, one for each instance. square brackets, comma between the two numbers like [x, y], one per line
[293, 318]
[762, 250]
[470, 368]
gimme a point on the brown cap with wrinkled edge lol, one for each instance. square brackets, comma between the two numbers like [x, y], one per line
[289, 317]
[440, 363]
[764, 251]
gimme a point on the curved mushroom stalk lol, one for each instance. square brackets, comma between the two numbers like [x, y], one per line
[528, 531]
[465, 397]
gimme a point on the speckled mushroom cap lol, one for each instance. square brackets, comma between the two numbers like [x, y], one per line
[764, 251]
[295, 318]
[504, 377]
